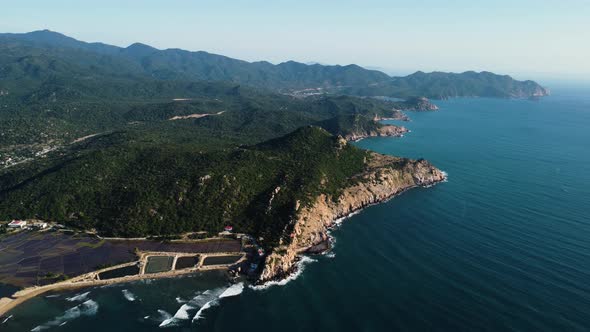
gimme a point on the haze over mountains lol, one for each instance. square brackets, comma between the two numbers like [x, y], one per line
[43, 55]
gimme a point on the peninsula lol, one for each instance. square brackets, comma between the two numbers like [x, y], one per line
[138, 142]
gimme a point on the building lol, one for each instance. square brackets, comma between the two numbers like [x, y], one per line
[40, 225]
[17, 224]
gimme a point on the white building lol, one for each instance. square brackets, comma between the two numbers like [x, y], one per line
[17, 224]
[40, 225]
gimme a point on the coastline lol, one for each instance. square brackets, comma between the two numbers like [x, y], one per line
[385, 178]
[89, 279]
[385, 130]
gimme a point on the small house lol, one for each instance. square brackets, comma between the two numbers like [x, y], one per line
[40, 225]
[17, 224]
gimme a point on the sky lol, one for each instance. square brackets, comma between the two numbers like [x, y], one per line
[523, 38]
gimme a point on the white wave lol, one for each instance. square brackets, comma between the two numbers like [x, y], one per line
[300, 267]
[211, 298]
[163, 314]
[181, 314]
[205, 306]
[128, 295]
[206, 296]
[87, 308]
[203, 301]
[52, 296]
[78, 297]
[233, 290]
[339, 221]
[6, 320]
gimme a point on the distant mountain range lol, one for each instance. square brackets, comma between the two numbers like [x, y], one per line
[46, 57]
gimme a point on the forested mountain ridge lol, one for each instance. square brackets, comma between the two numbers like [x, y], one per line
[136, 141]
[139, 60]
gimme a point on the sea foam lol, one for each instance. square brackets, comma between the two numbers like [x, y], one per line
[78, 297]
[300, 267]
[87, 308]
[6, 320]
[128, 295]
[233, 290]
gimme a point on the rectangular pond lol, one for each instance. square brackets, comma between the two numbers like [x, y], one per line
[157, 264]
[219, 260]
[120, 272]
[186, 262]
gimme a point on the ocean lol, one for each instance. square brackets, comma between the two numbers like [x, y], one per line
[504, 245]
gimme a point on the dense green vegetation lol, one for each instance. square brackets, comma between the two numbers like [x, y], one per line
[129, 189]
[439, 85]
[244, 153]
[37, 51]
[344, 125]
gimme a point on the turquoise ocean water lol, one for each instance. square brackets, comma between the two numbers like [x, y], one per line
[504, 245]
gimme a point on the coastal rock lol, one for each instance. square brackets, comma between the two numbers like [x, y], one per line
[395, 115]
[420, 104]
[384, 177]
[382, 130]
[531, 90]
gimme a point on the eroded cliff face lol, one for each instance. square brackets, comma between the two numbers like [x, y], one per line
[383, 178]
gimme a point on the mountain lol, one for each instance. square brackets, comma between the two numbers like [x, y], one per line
[85, 126]
[139, 60]
[126, 188]
[439, 85]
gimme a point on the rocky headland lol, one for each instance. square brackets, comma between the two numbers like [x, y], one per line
[383, 178]
[419, 104]
[380, 131]
[395, 115]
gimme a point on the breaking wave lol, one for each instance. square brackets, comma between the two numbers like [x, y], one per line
[202, 301]
[205, 306]
[181, 314]
[233, 290]
[87, 308]
[128, 295]
[78, 297]
[300, 267]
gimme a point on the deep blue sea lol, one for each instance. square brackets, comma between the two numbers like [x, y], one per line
[504, 245]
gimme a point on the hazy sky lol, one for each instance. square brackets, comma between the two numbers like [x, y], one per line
[519, 37]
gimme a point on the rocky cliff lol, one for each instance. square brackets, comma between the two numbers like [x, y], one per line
[383, 178]
[382, 130]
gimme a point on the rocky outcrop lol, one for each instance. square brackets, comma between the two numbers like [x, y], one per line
[395, 115]
[383, 178]
[419, 104]
[382, 130]
[530, 90]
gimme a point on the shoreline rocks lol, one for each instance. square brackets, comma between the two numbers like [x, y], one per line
[383, 130]
[420, 104]
[384, 178]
